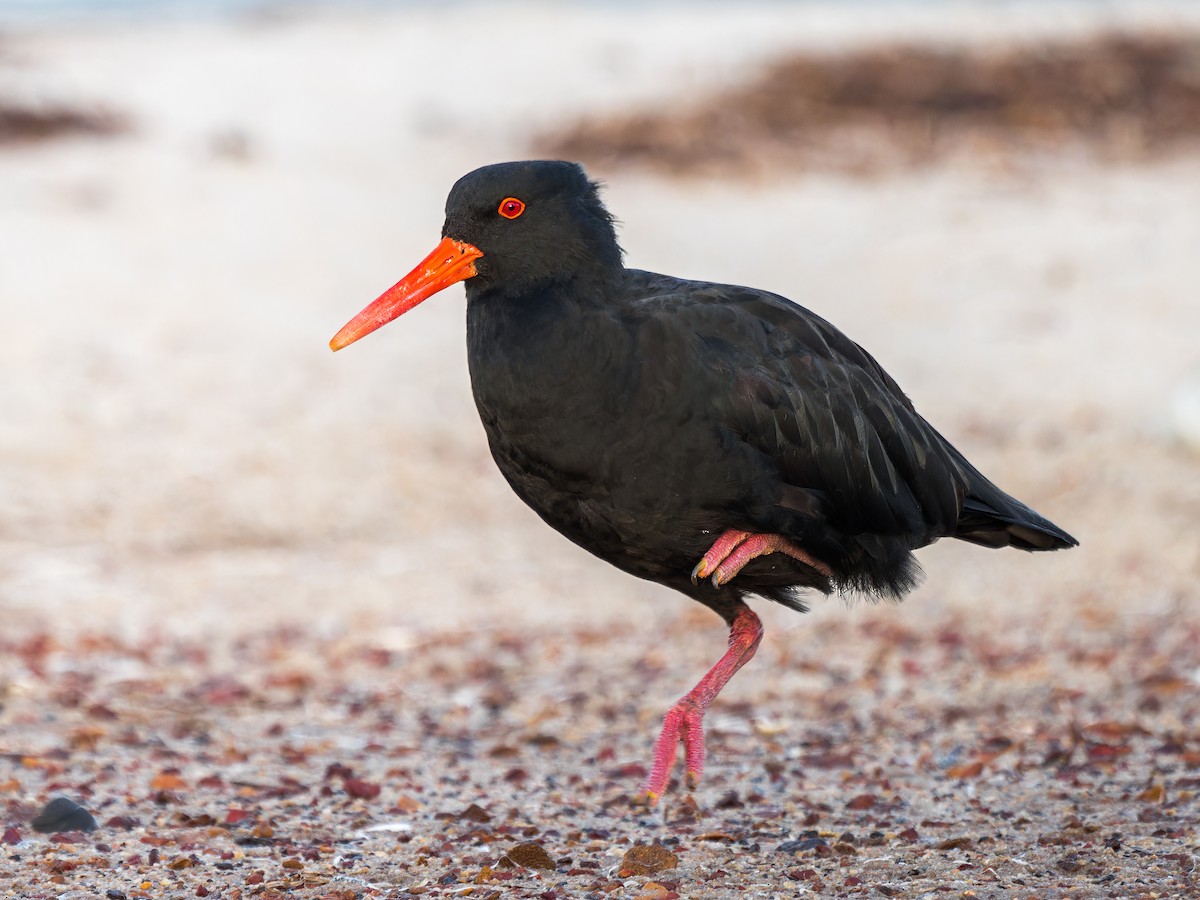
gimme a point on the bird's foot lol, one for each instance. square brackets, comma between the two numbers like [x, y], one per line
[733, 549]
[684, 722]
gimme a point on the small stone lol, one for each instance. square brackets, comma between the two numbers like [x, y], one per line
[647, 860]
[1071, 864]
[529, 855]
[63, 814]
[862, 801]
[954, 843]
[363, 790]
[475, 813]
[803, 845]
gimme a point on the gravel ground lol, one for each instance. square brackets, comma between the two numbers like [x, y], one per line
[271, 616]
[980, 758]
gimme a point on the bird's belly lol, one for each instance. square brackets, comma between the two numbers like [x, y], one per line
[642, 506]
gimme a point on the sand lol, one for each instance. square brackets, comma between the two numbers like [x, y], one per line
[185, 464]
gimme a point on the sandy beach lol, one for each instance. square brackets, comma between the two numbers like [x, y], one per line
[184, 464]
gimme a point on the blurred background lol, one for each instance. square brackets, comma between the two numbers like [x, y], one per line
[1001, 200]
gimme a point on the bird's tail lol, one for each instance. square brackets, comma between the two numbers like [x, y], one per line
[994, 519]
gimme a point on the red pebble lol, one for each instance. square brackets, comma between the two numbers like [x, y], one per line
[367, 790]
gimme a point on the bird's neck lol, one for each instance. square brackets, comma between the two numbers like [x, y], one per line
[586, 285]
[525, 349]
[539, 313]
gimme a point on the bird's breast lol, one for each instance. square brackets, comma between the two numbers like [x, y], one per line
[591, 431]
[550, 384]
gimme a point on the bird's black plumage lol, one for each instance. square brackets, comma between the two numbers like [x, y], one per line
[641, 415]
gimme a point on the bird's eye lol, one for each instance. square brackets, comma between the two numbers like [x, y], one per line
[511, 207]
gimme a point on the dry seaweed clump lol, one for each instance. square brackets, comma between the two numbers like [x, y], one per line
[22, 123]
[1116, 96]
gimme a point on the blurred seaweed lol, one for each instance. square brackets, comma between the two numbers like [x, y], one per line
[1117, 96]
[22, 122]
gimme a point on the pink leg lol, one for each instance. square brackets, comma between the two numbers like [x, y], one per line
[685, 720]
[734, 549]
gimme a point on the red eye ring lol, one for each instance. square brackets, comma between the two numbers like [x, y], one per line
[511, 207]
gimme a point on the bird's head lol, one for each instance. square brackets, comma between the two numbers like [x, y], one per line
[512, 228]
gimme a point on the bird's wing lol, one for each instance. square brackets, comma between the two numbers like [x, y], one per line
[847, 444]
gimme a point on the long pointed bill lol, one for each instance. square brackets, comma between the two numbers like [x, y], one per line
[450, 262]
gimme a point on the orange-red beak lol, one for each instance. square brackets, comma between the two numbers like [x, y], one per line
[450, 262]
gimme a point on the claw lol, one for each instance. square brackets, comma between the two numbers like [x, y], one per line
[717, 553]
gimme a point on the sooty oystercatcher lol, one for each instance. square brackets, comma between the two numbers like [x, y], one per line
[716, 439]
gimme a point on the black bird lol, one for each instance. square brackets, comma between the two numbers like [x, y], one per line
[716, 439]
